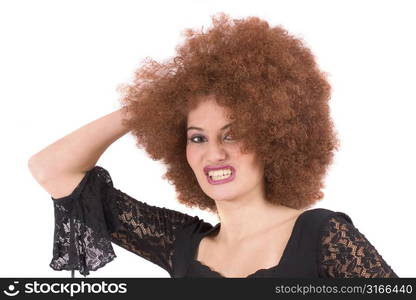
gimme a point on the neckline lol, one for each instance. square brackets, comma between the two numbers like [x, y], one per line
[273, 268]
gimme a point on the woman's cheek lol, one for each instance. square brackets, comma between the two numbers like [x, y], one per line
[191, 156]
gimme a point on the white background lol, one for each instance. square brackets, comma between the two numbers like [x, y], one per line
[61, 62]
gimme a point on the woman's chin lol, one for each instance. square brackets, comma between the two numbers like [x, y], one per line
[220, 192]
[221, 196]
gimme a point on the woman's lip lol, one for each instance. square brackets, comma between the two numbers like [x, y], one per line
[228, 179]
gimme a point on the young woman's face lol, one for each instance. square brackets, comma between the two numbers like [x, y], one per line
[209, 146]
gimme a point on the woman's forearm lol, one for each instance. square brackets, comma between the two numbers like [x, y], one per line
[79, 150]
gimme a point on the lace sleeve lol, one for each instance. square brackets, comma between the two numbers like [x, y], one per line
[96, 214]
[346, 253]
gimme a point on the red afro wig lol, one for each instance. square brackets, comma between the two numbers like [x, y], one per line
[270, 82]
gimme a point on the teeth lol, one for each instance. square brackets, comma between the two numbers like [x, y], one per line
[219, 172]
[220, 177]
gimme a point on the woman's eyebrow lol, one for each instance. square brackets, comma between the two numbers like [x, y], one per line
[200, 129]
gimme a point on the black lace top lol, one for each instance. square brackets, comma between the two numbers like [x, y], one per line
[323, 243]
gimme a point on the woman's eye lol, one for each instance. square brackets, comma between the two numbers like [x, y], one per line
[195, 139]
[230, 137]
[192, 139]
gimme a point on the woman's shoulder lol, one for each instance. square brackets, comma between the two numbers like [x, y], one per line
[197, 227]
[317, 222]
[323, 216]
[344, 251]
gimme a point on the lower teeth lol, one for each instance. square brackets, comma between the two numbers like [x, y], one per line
[219, 178]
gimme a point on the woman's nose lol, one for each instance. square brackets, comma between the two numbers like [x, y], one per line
[216, 152]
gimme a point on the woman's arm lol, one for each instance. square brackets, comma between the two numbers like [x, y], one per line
[60, 166]
[345, 252]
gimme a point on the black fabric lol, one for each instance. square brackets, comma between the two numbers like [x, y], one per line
[96, 214]
[323, 243]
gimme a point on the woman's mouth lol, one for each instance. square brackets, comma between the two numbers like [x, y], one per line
[221, 176]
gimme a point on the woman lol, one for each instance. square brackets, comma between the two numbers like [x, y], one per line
[240, 118]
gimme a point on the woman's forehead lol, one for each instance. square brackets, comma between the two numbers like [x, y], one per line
[208, 108]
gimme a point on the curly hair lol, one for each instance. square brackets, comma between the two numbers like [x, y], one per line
[277, 96]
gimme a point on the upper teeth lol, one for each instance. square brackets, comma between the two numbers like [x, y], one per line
[219, 172]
